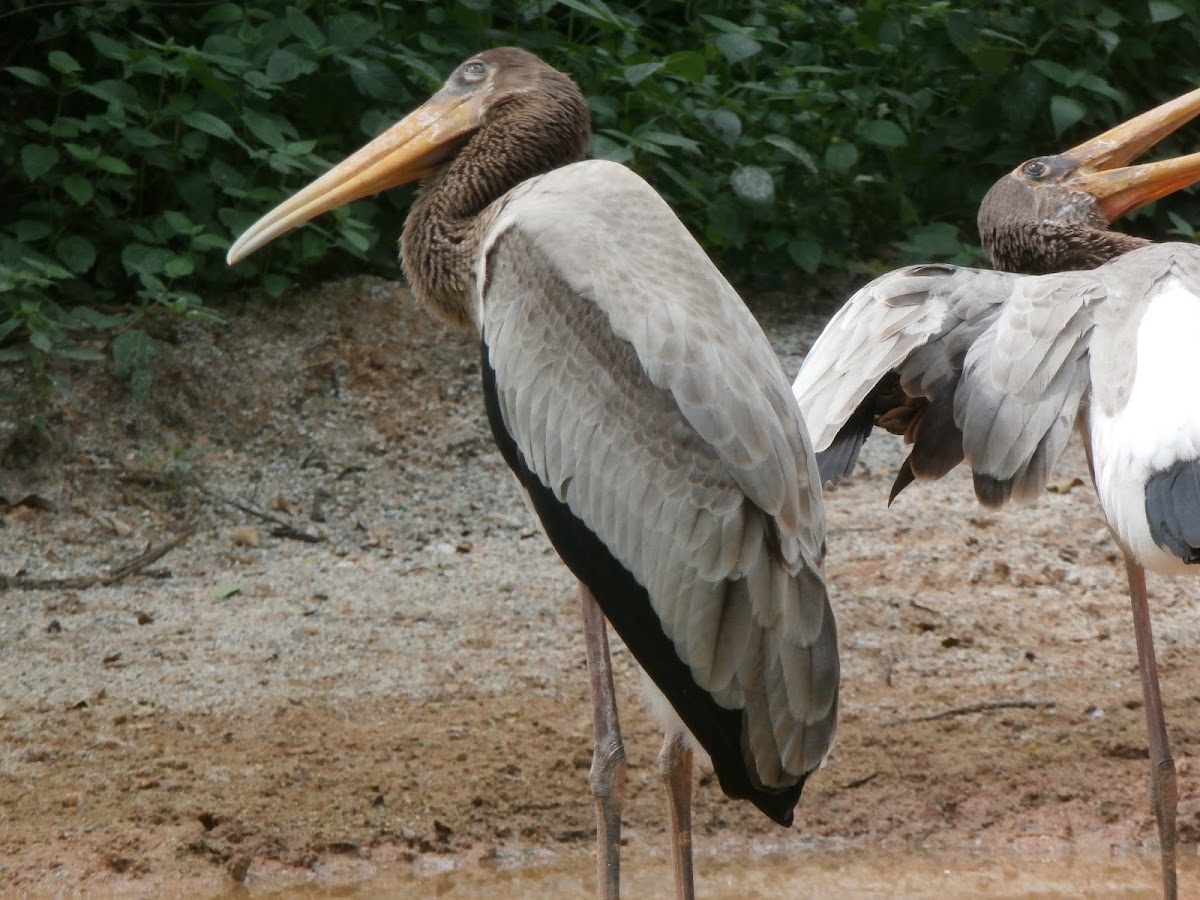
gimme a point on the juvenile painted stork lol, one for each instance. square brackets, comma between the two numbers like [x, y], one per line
[645, 415]
[998, 367]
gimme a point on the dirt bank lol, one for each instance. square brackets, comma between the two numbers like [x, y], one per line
[410, 686]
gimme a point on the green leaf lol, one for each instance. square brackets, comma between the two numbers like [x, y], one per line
[285, 65]
[635, 75]
[221, 591]
[87, 154]
[1065, 112]
[357, 240]
[179, 267]
[690, 65]
[140, 137]
[76, 253]
[604, 147]
[841, 156]
[1098, 85]
[80, 189]
[119, 93]
[113, 165]
[37, 160]
[30, 230]
[64, 128]
[1058, 72]
[304, 28]
[62, 61]
[753, 184]
[96, 319]
[722, 24]
[205, 242]
[667, 139]
[726, 124]
[41, 341]
[350, 31]
[1182, 226]
[177, 221]
[106, 46]
[224, 14]
[209, 124]
[264, 128]
[806, 252]
[934, 239]
[275, 284]
[737, 46]
[596, 9]
[1164, 11]
[787, 145]
[32, 76]
[883, 133]
[139, 258]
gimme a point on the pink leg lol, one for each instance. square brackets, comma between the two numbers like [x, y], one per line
[675, 767]
[607, 776]
[1164, 793]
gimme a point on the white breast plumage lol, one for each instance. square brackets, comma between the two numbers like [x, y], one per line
[1159, 424]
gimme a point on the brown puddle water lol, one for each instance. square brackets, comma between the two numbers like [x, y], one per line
[814, 874]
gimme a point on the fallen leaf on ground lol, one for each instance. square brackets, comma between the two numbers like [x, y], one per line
[221, 591]
[246, 536]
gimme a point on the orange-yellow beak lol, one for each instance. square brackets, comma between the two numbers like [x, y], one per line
[1103, 168]
[410, 150]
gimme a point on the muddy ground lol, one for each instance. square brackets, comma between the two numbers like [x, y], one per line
[408, 688]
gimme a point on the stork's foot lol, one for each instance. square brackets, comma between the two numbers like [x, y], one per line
[675, 767]
[607, 776]
[607, 782]
[1164, 793]
[1164, 796]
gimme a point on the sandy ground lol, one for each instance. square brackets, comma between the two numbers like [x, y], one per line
[408, 692]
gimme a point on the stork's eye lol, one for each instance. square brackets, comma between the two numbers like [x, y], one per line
[474, 71]
[1035, 168]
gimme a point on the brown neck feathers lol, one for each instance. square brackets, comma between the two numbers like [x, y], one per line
[525, 133]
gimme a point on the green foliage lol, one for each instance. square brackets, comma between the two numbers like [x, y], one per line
[139, 138]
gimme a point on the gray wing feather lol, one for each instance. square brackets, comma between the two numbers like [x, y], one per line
[1023, 382]
[678, 442]
[1059, 338]
[876, 330]
[913, 325]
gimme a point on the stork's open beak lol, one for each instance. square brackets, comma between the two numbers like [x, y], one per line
[409, 150]
[1103, 168]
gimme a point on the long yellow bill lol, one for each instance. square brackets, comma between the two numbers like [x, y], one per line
[1103, 162]
[409, 150]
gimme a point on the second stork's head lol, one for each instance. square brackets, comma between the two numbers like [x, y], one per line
[1052, 213]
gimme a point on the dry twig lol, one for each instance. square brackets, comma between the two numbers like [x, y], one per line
[283, 529]
[976, 708]
[112, 575]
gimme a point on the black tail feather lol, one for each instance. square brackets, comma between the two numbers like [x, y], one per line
[838, 460]
[992, 492]
[904, 478]
[1173, 509]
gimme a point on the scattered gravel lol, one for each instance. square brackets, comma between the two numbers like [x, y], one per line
[409, 686]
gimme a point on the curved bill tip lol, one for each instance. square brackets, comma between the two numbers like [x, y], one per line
[1102, 163]
[1124, 143]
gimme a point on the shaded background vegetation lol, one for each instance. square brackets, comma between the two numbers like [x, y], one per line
[138, 138]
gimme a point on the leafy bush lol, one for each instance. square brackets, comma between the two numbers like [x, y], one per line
[140, 138]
